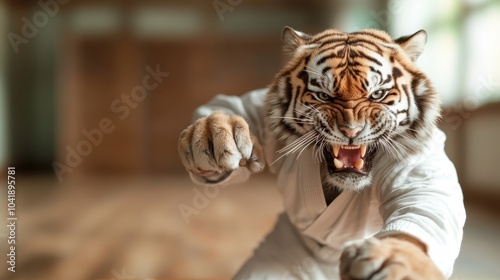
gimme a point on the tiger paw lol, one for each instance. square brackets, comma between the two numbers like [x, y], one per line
[387, 259]
[215, 145]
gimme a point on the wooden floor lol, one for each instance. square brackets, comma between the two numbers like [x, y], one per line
[133, 229]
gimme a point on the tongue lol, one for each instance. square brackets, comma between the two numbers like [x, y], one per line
[349, 157]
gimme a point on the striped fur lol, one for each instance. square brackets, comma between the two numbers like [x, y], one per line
[335, 78]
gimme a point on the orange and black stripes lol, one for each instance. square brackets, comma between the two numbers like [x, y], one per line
[363, 77]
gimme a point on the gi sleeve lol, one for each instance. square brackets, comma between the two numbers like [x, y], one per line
[425, 201]
[250, 106]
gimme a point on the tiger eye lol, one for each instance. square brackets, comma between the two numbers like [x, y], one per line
[323, 96]
[378, 94]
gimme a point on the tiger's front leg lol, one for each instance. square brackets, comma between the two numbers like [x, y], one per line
[389, 259]
[218, 144]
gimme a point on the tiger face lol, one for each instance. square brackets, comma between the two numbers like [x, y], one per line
[351, 96]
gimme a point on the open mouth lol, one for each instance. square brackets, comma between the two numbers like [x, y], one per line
[348, 158]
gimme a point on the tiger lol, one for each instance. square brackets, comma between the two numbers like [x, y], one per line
[354, 94]
[348, 103]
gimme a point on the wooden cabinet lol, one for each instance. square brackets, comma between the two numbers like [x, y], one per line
[99, 72]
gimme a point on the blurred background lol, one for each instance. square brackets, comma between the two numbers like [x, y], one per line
[93, 95]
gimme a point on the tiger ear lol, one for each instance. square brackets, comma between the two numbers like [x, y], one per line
[414, 44]
[293, 38]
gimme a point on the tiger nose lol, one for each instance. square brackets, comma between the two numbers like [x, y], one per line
[351, 131]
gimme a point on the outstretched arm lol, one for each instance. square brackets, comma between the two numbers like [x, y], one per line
[223, 145]
[422, 206]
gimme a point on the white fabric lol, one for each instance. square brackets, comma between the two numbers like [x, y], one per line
[419, 196]
[286, 254]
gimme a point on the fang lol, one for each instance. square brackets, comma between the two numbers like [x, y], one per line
[336, 149]
[359, 164]
[338, 163]
[363, 150]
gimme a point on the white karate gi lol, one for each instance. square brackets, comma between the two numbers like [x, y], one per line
[419, 196]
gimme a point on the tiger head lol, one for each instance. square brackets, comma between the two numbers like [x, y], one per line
[351, 96]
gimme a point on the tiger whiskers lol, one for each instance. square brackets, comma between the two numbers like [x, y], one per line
[299, 144]
[305, 146]
[304, 114]
[310, 107]
[295, 119]
[396, 149]
[405, 136]
[390, 147]
[387, 146]
[319, 146]
[308, 119]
